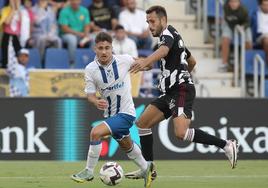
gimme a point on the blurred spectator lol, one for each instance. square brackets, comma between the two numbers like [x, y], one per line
[122, 44]
[260, 25]
[234, 14]
[28, 26]
[11, 21]
[75, 26]
[116, 5]
[17, 71]
[58, 5]
[134, 22]
[45, 31]
[102, 16]
[146, 84]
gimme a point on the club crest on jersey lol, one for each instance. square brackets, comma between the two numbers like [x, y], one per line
[109, 73]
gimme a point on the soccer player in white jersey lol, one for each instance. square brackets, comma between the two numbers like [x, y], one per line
[109, 75]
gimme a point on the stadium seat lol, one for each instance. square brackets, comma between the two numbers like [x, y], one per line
[83, 57]
[266, 88]
[56, 59]
[251, 5]
[2, 2]
[211, 9]
[144, 53]
[34, 59]
[86, 3]
[250, 54]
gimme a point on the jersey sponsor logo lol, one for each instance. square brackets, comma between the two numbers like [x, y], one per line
[114, 87]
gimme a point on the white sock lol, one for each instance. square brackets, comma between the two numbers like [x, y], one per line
[93, 155]
[144, 132]
[135, 154]
[189, 135]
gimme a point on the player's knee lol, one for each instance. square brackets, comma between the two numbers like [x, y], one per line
[95, 135]
[180, 134]
[142, 124]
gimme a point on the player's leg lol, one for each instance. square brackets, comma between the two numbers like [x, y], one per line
[152, 115]
[182, 118]
[149, 118]
[93, 153]
[134, 153]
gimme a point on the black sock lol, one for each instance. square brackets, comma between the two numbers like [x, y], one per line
[205, 138]
[147, 147]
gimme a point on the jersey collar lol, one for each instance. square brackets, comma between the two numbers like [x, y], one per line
[99, 64]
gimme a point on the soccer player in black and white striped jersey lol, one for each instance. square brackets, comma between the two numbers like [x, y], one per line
[178, 91]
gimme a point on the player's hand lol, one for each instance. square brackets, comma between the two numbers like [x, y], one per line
[101, 104]
[139, 65]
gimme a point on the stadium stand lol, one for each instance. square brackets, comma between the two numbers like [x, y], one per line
[211, 6]
[250, 55]
[2, 2]
[83, 57]
[144, 52]
[86, 3]
[34, 59]
[251, 5]
[56, 59]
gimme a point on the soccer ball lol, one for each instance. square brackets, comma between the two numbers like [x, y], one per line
[111, 173]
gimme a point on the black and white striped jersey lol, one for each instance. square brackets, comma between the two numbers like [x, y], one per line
[174, 67]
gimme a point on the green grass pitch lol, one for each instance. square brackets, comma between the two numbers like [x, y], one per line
[181, 173]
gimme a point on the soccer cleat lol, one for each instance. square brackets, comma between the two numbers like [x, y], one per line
[138, 174]
[83, 176]
[148, 175]
[231, 150]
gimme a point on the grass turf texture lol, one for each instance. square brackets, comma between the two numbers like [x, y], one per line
[182, 173]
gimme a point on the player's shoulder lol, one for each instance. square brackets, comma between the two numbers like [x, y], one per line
[170, 31]
[92, 66]
[123, 58]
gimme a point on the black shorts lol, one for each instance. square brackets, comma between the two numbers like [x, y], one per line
[178, 101]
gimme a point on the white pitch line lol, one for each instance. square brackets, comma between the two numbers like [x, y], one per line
[167, 177]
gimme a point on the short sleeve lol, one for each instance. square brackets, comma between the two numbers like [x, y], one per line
[167, 40]
[87, 18]
[90, 86]
[63, 18]
[128, 60]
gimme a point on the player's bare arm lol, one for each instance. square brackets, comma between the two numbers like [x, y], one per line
[191, 63]
[100, 104]
[141, 64]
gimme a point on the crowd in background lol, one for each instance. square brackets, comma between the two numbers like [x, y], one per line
[61, 23]
[68, 24]
[255, 25]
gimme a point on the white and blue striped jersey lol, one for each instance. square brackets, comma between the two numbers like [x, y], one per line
[113, 83]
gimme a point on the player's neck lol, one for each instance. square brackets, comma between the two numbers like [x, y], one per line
[105, 63]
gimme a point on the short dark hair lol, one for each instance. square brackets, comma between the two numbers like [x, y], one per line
[159, 10]
[103, 36]
[118, 27]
